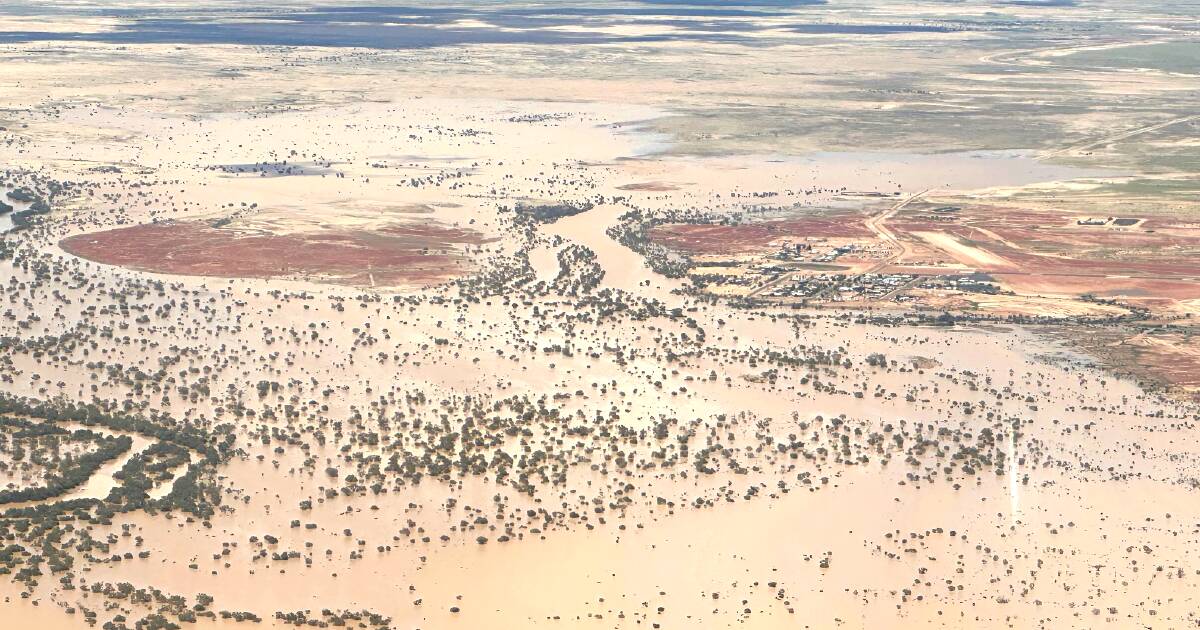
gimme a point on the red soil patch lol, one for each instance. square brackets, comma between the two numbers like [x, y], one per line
[400, 254]
[1142, 290]
[1050, 244]
[748, 237]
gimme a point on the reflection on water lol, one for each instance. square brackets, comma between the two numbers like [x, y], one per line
[102, 481]
[1014, 487]
[407, 27]
[958, 170]
[6, 222]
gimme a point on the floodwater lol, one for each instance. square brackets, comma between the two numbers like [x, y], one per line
[611, 576]
[6, 222]
[102, 482]
[479, 23]
[958, 170]
[623, 268]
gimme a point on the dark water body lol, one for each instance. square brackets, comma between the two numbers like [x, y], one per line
[1040, 3]
[746, 3]
[445, 14]
[340, 35]
[867, 29]
[401, 27]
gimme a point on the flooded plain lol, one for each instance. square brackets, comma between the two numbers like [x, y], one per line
[786, 315]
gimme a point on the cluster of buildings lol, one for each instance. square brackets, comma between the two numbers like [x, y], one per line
[837, 287]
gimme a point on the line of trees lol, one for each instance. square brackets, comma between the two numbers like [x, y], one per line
[75, 474]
